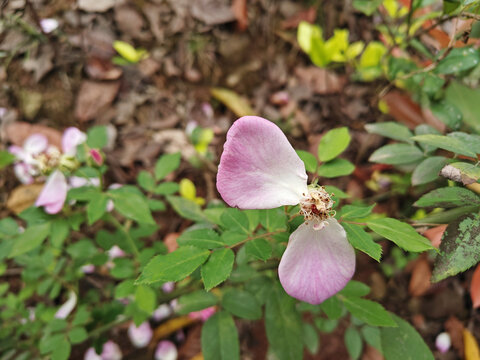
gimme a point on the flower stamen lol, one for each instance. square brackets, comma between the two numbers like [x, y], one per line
[317, 206]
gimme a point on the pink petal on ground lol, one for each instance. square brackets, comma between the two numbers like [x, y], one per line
[67, 307]
[166, 350]
[90, 354]
[259, 169]
[317, 263]
[54, 193]
[140, 336]
[111, 351]
[35, 144]
[22, 173]
[72, 137]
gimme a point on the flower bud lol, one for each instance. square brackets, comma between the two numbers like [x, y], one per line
[96, 156]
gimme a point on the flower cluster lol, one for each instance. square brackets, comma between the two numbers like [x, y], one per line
[259, 169]
[38, 159]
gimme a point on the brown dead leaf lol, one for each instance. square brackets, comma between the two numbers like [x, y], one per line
[95, 5]
[148, 67]
[170, 241]
[238, 104]
[101, 69]
[320, 81]
[370, 353]
[455, 330]
[308, 15]
[94, 97]
[23, 196]
[403, 109]
[435, 235]
[40, 62]
[475, 288]
[19, 131]
[212, 12]
[472, 352]
[239, 8]
[171, 326]
[420, 280]
[130, 22]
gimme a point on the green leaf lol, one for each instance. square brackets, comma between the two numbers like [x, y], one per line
[448, 113]
[97, 137]
[156, 205]
[133, 206]
[356, 212]
[461, 172]
[242, 304]
[445, 142]
[123, 268]
[30, 239]
[59, 231]
[310, 161]
[333, 143]
[235, 220]
[390, 130]
[448, 197]
[466, 100]
[217, 268]
[220, 338]
[174, 266]
[49, 342]
[403, 342]
[146, 180]
[460, 247]
[166, 188]
[187, 208]
[355, 289]
[166, 164]
[368, 7]
[332, 308]
[96, 208]
[82, 249]
[447, 216]
[353, 343]
[196, 301]
[371, 336]
[362, 241]
[337, 193]
[425, 129]
[397, 154]
[458, 60]
[368, 311]
[259, 248]
[310, 338]
[283, 325]
[428, 170]
[201, 238]
[336, 168]
[471, 140]
[273, 219]
[125, 289]
[6, 159]
[145, 298]
[62, 350]
[77, 335]
[400, 233]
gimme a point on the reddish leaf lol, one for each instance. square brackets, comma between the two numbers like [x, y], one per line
[475, 288]
[19, 131]
[403, 109]
[239, 9]
[308, 15]
[435, 235]
[171, 241]
[100, 69]
[420, 280]
[455, 330]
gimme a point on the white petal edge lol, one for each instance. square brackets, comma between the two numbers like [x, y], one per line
[317, 263]
[259, 169]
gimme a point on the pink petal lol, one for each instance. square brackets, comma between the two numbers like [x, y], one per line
[140, 336]
[96, 156]
[166, 350]
[443, 342]
[23, 174]
[90, 354]
[35, 144]
[259, 169]
[72, 137]
[54, 193]
[67, 307]
[317, 263]
[111, 351]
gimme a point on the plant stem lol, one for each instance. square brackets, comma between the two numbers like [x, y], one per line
[253, 237]
[124, 229]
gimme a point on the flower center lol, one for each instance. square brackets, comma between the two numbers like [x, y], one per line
[317, 206]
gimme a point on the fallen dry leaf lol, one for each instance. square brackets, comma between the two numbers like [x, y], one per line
[435, 235]
[404, 109]
[19, 131]
[308, 15]
[170, 241]
[129, 21]
[472, 352]
[93, 97]
[475, 288]
[212, 12]
[238, 104]
[40, 63]
[171, 326]
[320, 81]
[101, 69]
[420, 280]
[239, 9]
[455, 330]
[95, 5]
[23, 196]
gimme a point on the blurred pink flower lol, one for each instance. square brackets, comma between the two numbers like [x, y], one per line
[166, 350]
[110, 351]
[443, 342]
[48, 25]
[72, 137]
[259, 169]
[202, 314]
[162, 312]
[140, 336]
[54, 193]
[67, 307]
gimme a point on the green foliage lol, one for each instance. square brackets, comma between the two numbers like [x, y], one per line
[333, 143]
[242, 304]
[220, 338]
[218, 268]
[368, 311]
[353, 342]
[166, 164]
[196, 301]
